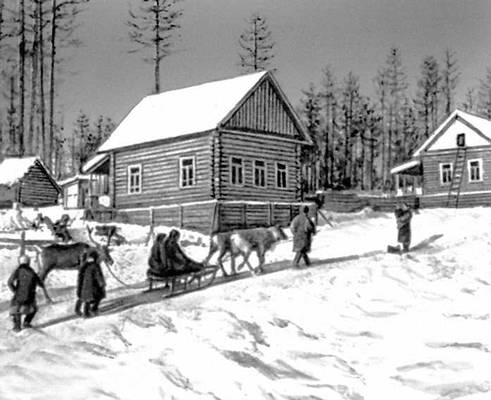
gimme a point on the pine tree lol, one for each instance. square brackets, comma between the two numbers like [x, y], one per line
[470, 100]
[426, 101]
[256, 45]
[81, 141]
[154, 27]
[484, 96]
[310, 111]
[330, 105]
[350, 102]
[450, 78]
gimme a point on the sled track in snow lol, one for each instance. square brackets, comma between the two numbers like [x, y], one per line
[144, 297]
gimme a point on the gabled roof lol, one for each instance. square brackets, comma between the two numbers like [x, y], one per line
[13, 170]
[94, 163]
[181, 112]
[480, 125]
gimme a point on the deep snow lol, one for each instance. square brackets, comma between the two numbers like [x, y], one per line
[360, 324]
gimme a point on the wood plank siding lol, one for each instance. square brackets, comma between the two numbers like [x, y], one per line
[262, 148]
[160, 172]
[37, 188]
[431, 171]
[264, 111]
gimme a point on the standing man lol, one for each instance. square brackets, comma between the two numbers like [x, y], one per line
[403, 218]
[23, 283]
[303, 229]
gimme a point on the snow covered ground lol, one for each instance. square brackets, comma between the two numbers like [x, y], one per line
[359, 324]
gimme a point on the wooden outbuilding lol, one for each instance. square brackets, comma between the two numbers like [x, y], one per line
[453, 166]
[27, 181]
[224, 154]
[75, 191]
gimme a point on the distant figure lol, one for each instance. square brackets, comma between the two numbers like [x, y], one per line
[303, 229]
[403, 218]
[23, 283]
[60, 228]
[157, 260]
[18, 220]
[176, 261]
[91, 286]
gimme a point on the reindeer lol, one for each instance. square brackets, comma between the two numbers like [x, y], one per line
[71, 256]
[243, 242]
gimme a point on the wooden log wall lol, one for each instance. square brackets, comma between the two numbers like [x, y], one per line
[465, 200]
[262, 148]
[160, 173]
[37, 189]
[431, 169]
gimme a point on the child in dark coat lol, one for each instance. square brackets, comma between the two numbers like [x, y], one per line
[23, 283]
[91, 286]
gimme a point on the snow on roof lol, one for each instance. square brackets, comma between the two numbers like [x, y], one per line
[179, 112]
[94, 162]
[405, 166]
[482, 124]
[13, 169]
[73, 179]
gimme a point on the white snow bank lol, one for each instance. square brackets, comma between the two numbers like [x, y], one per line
[361, 324]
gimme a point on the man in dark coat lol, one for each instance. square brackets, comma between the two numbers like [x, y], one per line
[157, 260]
[91, 286]
[176, 261]
[23, 283]
[403, 218]
[303, 229]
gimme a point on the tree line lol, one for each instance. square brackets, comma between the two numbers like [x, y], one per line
[357, 138]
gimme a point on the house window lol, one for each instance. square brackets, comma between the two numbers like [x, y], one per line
[134, 179]
[187, 172]
[236, 171]
[475, 170]
[281, 175]
[461, 140]
[446, 171]
[259, 173]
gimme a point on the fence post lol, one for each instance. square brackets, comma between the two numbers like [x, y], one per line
[22, 243]
[271, 213]
[181, 216]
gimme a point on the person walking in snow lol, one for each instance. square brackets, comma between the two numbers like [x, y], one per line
[23, 283]
[403, 216]
[303, 229]
[91, 286]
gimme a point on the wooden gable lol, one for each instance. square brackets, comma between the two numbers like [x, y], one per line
[265, 110]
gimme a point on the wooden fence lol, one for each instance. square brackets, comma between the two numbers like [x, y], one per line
[216, 216]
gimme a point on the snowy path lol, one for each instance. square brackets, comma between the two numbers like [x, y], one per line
[372, 327]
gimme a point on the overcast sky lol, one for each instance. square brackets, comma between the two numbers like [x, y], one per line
[347, 34]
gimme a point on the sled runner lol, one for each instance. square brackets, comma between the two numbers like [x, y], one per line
[204, 278]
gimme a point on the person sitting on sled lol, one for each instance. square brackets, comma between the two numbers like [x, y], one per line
[23, 283]
[157, 260]
[91, 286]
[60, 228]
[403, 218]
[176, 261]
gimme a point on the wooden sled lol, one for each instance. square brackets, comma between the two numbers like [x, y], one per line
[204, 278]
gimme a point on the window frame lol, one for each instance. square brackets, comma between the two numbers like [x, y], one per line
[276, 175]
[231, 168]
[264, 168]
[441, 165]
[194, 180]
[140, 180]
[481, 170]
